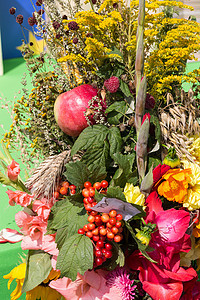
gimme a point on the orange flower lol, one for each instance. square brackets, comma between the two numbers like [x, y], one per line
[175, 186]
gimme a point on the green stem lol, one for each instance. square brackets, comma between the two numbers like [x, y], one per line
[92, 6]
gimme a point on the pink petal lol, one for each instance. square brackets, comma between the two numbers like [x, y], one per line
[11, 235]
[172, 224]
[154, 203]
[164, 291]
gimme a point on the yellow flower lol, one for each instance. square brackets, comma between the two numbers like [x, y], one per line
[133, 194]
[175, 185]
[42, 291]
[192, 200]
[194, 149]
[18, 273]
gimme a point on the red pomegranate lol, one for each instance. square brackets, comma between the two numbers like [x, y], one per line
[70, 106]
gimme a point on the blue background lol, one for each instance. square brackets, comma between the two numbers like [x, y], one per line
[11, 34]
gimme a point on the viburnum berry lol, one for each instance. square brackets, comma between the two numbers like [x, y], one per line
[98, 253]
[72, 187]
[100, 244]
[112, 213]
[85, 193]
[97, 185]
[65, 184]
[105, 218]
[104, 184]
[118, 224]
[72, 192]
[108, 246]
[99, 261]
[95, 238]
[112, 84]
[91, 226]
[119, 217]
[89, 234]
[81, 231]
[117, 238]
[108, 254]
[110, 235]
[114, 230]
[63, 190]
[56, 195]
[91, 219]
[103, 231]
[112, 221]
[87, 184]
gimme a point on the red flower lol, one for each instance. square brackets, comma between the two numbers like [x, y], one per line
[13, 170]
[159, 171]
[165, 279]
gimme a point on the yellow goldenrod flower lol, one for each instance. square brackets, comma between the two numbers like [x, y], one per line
[133, 194]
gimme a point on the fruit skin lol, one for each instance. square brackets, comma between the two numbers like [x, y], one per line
[69, 109]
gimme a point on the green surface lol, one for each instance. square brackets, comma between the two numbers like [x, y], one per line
[9, 253]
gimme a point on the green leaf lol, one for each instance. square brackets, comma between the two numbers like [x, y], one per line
[98, 173]
[156, 122]
[75, 256]
[92, 136]
[121, 258]
[116, 111]
[98, 196]
[153, 162]
[97, 156]
[61, 236]
[125, 89]
[77, 173]
[141, 246]
[115, 140]
[115, 192]
[38, 267]
[66, 213]
[124, 173]
[147, 181]
[116, 51]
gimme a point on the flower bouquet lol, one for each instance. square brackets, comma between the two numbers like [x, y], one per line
[111, 206]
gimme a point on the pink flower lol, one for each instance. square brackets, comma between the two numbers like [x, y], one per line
[120, 279]
[19, 197]
[13, 170]
[42, 208]
[32, 226]
[90, 286]
[45, 243]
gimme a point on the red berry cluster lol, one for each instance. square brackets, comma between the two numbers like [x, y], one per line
[65, 189]
[102, 227]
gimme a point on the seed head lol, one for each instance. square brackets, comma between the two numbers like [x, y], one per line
[19, 19]
[73, 25]
[12, 10]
